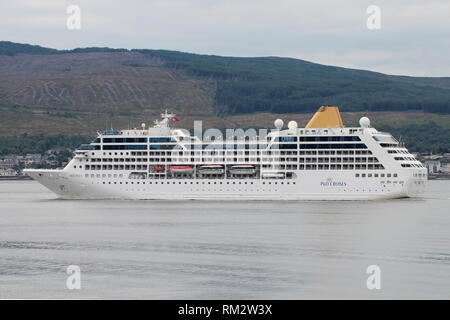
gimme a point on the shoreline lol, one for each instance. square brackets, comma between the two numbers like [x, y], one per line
[439, 177]
[15, 178]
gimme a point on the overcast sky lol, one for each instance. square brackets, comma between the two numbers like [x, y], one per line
[414, 38]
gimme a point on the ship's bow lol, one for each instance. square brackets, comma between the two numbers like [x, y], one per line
[54, 180]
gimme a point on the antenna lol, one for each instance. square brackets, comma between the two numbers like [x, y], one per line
[402, 144]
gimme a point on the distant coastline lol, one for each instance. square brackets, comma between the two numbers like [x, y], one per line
[441, 176]
[12, 178]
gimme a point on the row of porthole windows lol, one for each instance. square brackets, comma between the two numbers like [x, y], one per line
[375, 175]
[104, 175]
[125, 153]
[191, 182]
[222, 152]
[361, 190]
[179, 182]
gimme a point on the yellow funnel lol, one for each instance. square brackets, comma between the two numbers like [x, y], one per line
[326, 117]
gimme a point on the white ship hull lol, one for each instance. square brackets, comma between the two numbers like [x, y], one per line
[307, 186]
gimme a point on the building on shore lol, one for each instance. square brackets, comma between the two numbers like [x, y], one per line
[7, 163]
[8, 172]
[433, 166]
[445, 168]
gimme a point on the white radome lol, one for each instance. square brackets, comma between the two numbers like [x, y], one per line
[292, 125]
[278, 123]
[364, 122]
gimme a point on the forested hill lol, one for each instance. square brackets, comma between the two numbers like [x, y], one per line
[121, 81]
[283, 85]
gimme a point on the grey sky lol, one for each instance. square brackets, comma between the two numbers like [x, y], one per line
[414, 38]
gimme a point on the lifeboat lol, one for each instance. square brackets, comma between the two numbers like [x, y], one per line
[211, 169]
[273, 175]
[243, 169]
[158, 169]
[181, 169]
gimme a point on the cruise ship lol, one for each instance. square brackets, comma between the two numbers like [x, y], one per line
[322, 161]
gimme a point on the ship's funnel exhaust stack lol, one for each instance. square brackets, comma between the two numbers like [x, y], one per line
[326, 117]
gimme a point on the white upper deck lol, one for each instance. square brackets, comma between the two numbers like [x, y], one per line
[163, 128]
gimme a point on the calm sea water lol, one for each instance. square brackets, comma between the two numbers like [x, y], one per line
[223, 250]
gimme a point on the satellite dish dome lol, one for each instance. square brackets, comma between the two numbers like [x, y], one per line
[278, 124]
[292, 125]
[143, 126]
[364, 122]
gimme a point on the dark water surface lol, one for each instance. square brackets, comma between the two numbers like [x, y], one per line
[223, 249]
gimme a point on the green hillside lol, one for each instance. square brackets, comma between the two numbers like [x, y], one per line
[60, 97]
[282, 85]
